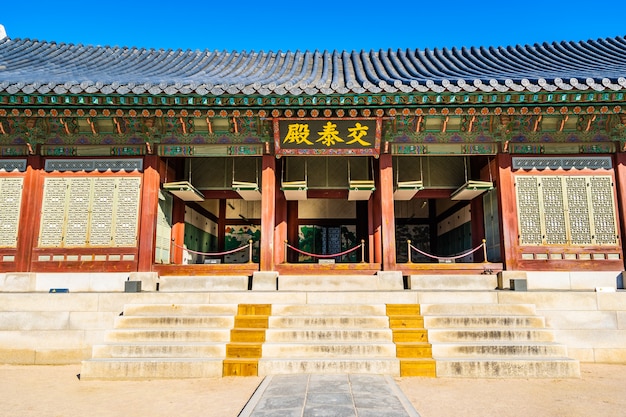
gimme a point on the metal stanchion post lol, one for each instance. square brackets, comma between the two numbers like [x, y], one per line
[362, 251]
[485, 250]
[250, 251]
[408, 249]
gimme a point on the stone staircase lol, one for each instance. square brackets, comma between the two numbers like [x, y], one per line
[494, 341]
[329, 338]
[455, 332]
[164, 341]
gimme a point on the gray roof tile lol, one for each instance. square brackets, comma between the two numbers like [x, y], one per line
[30, 66]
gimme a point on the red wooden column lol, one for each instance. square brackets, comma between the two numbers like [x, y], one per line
[178, 231]
[373, 227]
[508, 219]
[149, 212]
[281, 224]
[32, 195]
[388, 222]
[221, 226]
[620, 176]
[477, 226]
[292, 229]
[268, 213]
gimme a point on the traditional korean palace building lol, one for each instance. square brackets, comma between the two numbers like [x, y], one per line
[471, 160]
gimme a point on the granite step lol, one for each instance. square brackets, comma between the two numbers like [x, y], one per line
[317, 310]
[453, 282]
[171, 335]
[535, 367]
[312, 365]
[178, 321]
[160, 350]
[491, 334]
[146, 368]
[328, 335]
[180, 309]
[328, 350]
[471, 309]
[499, 350]
[435, 322]
[328, 321]
[200, 283]
[328, 283]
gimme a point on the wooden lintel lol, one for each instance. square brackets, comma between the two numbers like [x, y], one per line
[434, 193]
[337, 194]
[220, 194]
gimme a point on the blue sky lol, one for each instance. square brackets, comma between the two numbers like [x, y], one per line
[324, 25]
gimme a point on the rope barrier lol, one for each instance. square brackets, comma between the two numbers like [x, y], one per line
[326, 256]
[334, 255]
[447, 258]
[228, 252]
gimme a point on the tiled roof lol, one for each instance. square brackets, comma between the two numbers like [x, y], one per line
[31, 66]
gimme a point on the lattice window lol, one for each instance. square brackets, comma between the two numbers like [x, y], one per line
[566, 210]
[603, 210]
[578, 210]
[553, 210]
[90, 212]
[529, 217]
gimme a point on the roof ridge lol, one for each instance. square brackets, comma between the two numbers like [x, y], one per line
[325, 51]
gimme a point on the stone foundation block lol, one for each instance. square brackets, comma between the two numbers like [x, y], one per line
[518, 284]
[149, 280]
[265, 281]
[390, 280]
[505, 277]
[18, 282]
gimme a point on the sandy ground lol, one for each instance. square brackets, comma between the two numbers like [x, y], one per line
[55, 391]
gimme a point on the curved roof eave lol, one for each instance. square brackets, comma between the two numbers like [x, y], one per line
[29, 65]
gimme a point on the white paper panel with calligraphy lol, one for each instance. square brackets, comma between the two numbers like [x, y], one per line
[10, 202]
[53, 211]
[77, 220]
[127, 211]
[102, 211]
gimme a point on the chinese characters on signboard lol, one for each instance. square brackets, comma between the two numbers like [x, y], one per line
[327, 137]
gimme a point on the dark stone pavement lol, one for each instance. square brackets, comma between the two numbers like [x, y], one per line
[328, 395]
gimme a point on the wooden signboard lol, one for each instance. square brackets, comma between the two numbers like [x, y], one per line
[310, 136]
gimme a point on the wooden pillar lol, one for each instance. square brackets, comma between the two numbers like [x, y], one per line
[268, 213]
[505, 184]
[373, 227]
[178, 231]
[281, 225]
[477, 226]
[149, 213]
[221, 225]
[363, 216]
[388, 223]
[620, 176]
[292, 228]
[30, 209]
